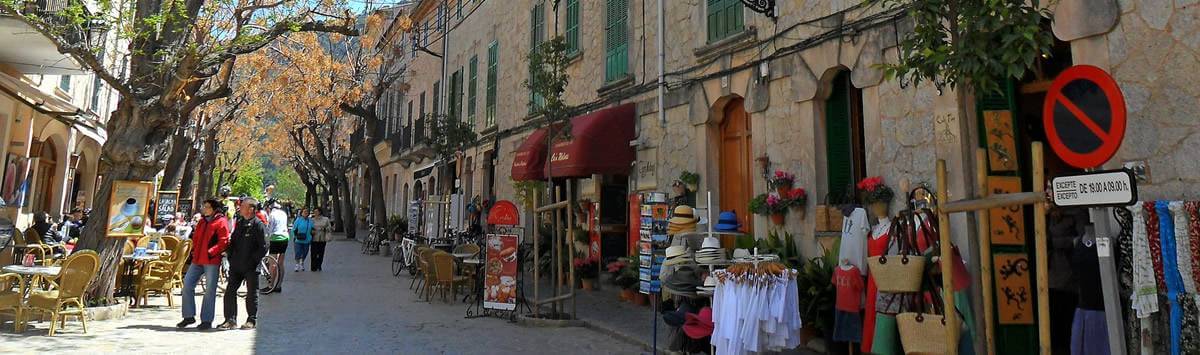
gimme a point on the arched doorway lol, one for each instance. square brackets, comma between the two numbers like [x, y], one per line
[47, 164]
[404, 201]
[418, 191]
[736, 157]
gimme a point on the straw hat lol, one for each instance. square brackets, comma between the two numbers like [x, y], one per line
[710, 252]
[684, 215]
[677, 255]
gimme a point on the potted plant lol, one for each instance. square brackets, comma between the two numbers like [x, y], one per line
[692, 180]
[770, 205]
[586, 270]
[625, 276]
[876, 195]
[797, 198]
[817, 295]
[781, 181]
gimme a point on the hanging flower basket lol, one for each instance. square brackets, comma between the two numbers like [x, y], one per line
[778, 218]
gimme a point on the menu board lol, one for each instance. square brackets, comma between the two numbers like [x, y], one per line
[500, 272]
[168, 204]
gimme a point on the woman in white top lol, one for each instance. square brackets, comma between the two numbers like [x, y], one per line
[320, 236]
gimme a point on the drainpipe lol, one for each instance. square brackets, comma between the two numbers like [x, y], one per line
[662, 58]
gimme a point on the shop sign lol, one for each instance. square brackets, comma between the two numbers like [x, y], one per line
[1001, 144]
[1105, 188]
[1007, 223]
[504, 213]
[646, 169]
[1014, 295]
[500, 272]
[414, 217]
[1084, 116]
[168, 203]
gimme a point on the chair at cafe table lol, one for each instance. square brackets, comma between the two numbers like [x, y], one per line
[417, 278]
[10, 296]
[182, 258]
[159, 276]
[53, 253]
[66, 299]
[467, 249]
[444, 276]
[22, 246]
[425, 261]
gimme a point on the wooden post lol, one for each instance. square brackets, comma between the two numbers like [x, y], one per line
[1039, 225]
[535, 217]
[982, 220]
[947, 269]
[571, 242]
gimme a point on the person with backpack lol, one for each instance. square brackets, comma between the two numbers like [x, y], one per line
[301, 237]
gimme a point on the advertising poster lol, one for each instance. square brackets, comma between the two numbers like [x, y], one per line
[129, 204]
[1007, 223]
[167, 205]
[414, 217]
[16, 180]
[500, 272]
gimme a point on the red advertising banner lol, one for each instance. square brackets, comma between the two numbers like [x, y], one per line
[500, 272]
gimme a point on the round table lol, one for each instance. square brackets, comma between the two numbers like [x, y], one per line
[26, 273]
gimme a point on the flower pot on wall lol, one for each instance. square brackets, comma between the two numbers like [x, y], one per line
[588, 284]
[778, 218]
[638, 298]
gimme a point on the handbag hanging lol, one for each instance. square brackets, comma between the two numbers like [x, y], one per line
[904, 271]
[921, 328]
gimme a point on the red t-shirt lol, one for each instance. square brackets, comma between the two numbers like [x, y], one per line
[849, 283]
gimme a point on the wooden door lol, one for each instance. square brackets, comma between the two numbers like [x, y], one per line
[737, 184]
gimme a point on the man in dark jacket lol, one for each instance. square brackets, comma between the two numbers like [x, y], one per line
[247, 247]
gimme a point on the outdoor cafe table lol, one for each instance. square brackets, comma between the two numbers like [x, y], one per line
[27, 273]
[132, 264]
[475, 265]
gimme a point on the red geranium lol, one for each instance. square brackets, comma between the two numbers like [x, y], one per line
[870, 184]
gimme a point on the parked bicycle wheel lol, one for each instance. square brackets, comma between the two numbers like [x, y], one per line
[398, 265]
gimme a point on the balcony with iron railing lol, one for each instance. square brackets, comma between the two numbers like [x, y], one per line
[31, 52]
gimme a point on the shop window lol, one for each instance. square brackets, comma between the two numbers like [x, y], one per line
[845, 158]
[724, 19]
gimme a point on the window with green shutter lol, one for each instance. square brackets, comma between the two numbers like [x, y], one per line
[537, 32]
[616, 58]
[437, 98]
[572, 27]
[489, 110]
[724, 19]
[845, 159]
[472, 74]
[454, 96]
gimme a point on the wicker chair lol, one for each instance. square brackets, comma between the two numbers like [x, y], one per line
[10, 297]
[22, 246]
[444, 276]
[467, 249]
[159, 276]
[67, 299]
[425, 262]
[417, 279]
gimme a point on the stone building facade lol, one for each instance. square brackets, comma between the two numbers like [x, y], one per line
[784, 75]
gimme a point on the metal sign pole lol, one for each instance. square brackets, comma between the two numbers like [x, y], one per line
[1108, 281]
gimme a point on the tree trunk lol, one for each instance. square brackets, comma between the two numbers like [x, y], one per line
[205, 188]
[181, 146]
[349, 224]
[375, 179]
[134, 151]
[189, 174]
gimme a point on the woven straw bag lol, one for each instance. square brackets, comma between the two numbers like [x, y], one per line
[897, 273]
[923, 333]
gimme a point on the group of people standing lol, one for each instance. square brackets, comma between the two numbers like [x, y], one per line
[245, 240]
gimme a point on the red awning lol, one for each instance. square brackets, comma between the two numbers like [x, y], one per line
[530, 162]
[600, 144]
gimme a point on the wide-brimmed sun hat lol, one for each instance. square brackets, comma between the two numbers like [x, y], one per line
[727, 222]
[684, 215]
[683, 280]
[710, 252]
[676, 255]
[699, 325]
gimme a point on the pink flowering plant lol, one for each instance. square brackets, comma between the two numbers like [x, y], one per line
[768, 204]
[781, 179]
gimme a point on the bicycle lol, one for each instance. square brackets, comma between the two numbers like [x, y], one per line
[270, 272]
[375, 237]
[405, 257]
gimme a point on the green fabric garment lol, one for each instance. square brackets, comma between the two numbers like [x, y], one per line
[887, 336]
[279, 238]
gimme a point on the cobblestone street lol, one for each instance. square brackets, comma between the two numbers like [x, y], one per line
[355, 306]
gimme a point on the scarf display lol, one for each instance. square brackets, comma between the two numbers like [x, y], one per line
[1183, 252]
[1152, 234]
[1193, 211]
[1170, 271]
[1145, 291]
[755, 311]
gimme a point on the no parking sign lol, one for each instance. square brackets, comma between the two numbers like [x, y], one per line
[1084, 116]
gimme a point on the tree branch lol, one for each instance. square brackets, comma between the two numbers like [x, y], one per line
[242, 46]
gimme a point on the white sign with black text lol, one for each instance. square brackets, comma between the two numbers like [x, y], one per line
[1103, 188]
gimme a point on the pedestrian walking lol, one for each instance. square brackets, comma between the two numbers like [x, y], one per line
[301, 237]
[320, 236]
[209, 240]
[277, 226]
[247, 246]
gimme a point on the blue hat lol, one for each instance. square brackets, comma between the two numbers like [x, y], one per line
[727, 222]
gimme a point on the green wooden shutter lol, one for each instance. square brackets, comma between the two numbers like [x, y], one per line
[724, 19]
[473, 74]
[536, 33]
[572, 26]
[489, 112]
[616, 63]
[839, 160]
[437, 98]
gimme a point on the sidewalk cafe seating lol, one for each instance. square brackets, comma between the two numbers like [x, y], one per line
[418, 280]
[425, 262]
[159, 275]
[445, 277]
[121, 265]
[10, 297]
[66, 299]
[467, 249]
[43, 254]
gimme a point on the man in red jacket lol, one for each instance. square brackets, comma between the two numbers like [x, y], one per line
[209, 239]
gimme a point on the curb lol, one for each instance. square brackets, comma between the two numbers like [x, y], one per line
[583, 323]
[617, 334]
